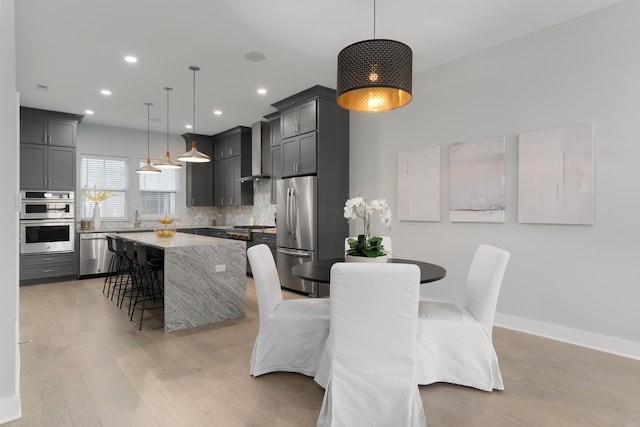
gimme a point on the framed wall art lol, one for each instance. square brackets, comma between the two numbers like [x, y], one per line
[555, 175]
[477, 181]
[419, 185]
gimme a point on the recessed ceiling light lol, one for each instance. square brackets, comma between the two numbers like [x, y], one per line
[188, 126]
[262, 91]
[88, 112]
[217, 112]
[105, 92]
[131, 59]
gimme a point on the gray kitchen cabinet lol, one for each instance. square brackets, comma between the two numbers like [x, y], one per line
[233, 142]
[34, 268]
[300, 119]
[47, 149]
[47, 167]
[299, 155]
[228, 189]
[48, 127]
[314, 131]
[233, 161]
[276, 159]
[276, 172]
[200, 176]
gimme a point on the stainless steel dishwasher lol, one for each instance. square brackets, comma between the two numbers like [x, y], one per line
[94, 254]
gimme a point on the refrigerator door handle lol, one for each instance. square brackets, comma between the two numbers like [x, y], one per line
[294, 213]
[300, 254]
[288, 213]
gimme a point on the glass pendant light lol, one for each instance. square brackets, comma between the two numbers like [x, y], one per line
[374, 75]
[194, 155]
[148, 168]
[168, 163]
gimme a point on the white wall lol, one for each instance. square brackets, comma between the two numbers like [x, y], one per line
[577, 283]
[9, 333]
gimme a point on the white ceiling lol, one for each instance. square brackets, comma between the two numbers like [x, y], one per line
[76, 48]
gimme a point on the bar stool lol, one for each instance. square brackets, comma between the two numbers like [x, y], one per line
[112, 270]
[134, 274]
[150, 282]
[122, 277]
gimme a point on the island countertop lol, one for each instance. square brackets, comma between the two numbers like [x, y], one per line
[204, 277]
[179, 240]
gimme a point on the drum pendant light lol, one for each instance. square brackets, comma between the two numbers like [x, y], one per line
[168, 163]
[194, 155]
[148, 168]
[374, 75]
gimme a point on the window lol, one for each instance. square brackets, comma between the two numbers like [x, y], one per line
[105, 173]
[158, 192]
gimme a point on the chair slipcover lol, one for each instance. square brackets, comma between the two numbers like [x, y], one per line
[293, 333]
[374, 313]
[455, 341]
[386, 243]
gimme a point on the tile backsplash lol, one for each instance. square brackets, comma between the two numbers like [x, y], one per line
[262, 211]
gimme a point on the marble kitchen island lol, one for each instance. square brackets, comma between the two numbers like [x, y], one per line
[204, 278]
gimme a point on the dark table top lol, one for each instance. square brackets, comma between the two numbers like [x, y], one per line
[320, 270]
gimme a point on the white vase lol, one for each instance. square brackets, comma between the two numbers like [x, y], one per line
[96, 217]
[353, 258]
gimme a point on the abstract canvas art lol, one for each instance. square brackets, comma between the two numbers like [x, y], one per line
[419, 185]
[555, 167]
[477, 181]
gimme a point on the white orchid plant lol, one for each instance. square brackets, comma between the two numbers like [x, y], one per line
[365, 245]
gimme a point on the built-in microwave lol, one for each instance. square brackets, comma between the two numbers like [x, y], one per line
[42, 236]
[47, 205]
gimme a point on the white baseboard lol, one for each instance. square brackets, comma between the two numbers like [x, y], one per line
[618, 346]
[10, 409]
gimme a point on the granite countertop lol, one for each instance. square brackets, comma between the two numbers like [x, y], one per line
[179, 240]
[145, 229]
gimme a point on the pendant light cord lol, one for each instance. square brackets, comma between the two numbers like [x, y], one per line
[194, 97]
[168, 89]
[148, 128]
[374, 19]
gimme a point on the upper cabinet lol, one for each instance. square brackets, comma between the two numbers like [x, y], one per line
[232, 162]
[299, 119]
[276, 158]
[200, 175]
[314, 134]
[48, 127]
[233, 142]
[47, 149]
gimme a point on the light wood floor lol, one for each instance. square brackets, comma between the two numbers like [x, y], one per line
[87, 365]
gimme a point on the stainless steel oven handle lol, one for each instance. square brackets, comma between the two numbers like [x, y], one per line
[49, 221]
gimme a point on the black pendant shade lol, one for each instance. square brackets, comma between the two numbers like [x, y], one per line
[374, 75]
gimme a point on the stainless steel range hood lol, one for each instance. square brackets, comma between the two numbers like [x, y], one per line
[260, 152]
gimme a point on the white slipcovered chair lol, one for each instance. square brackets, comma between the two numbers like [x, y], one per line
[374, 314]
[386, 243]
[293, 333]
[455, 340]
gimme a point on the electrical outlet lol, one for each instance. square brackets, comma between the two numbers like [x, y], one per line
[221, 267]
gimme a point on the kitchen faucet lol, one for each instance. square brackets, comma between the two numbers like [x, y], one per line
[136, 221]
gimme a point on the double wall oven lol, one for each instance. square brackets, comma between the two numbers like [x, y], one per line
[47, 222]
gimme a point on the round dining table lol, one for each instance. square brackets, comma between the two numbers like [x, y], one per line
[320, 270]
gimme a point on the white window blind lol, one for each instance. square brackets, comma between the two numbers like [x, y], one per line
[158, 192]
[101, 174]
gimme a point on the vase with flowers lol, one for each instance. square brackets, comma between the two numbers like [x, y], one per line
[366, 248]
[96, 197]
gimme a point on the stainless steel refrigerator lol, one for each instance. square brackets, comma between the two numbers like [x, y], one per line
[297, 206]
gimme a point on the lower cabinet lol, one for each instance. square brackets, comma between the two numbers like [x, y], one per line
[47, 266]
[268, 239]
